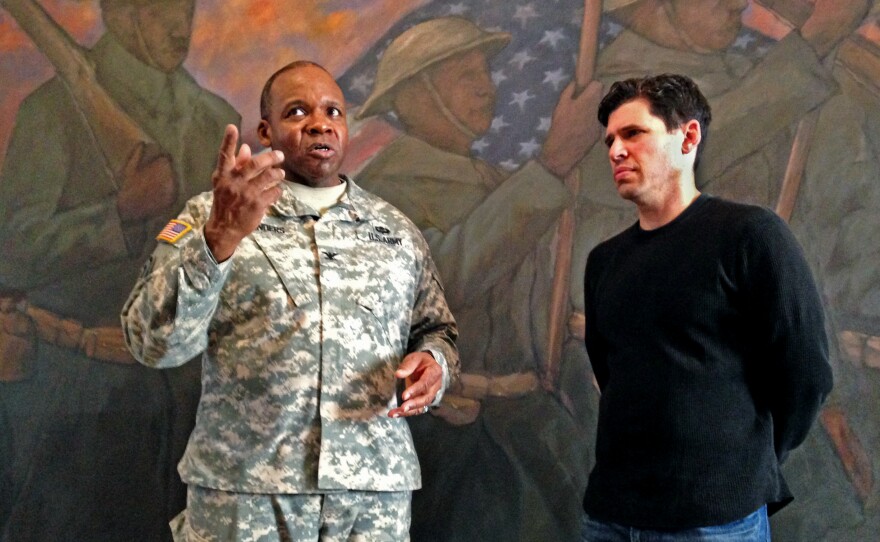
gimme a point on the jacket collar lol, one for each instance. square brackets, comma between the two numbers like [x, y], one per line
[354, 205]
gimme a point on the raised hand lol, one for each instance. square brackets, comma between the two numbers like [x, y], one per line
[573, 130]
[832, 21]
[245, 186]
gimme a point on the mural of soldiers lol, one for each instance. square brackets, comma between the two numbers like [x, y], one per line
[94, 438]
[503, 458]
[838, 215]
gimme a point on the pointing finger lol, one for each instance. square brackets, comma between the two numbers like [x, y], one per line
[226, 157]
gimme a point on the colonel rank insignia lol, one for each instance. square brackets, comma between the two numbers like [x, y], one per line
[172, 232]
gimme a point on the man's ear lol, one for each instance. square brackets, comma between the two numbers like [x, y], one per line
[264, 133]
[692, 136]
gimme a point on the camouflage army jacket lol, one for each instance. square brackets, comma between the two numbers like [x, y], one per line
[299, 344]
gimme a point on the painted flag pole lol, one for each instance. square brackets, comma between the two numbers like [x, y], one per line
[850, 450]
[852, 453]
[559, 305]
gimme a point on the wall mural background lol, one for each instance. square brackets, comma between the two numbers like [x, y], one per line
[474, 146]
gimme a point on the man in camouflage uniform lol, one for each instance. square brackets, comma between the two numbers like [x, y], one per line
[305, 293]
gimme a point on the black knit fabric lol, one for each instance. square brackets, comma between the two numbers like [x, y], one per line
[707, 340]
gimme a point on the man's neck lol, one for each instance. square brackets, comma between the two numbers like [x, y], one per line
[320, 198]
[653, 215]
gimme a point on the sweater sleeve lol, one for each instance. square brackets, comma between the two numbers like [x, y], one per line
[595, 343]
[784, 304]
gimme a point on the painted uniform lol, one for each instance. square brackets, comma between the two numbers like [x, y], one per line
[94, 437]
[517, 471]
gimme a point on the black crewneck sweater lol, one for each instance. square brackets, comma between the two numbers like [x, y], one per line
[707, 340]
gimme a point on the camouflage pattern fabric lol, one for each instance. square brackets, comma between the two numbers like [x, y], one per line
[299, 344]
[348, 516]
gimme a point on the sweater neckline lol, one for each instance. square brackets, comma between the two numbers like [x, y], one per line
[689, 211]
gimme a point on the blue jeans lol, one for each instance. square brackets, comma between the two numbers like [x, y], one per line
[753, 528]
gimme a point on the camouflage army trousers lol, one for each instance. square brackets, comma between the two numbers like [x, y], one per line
[352, 516]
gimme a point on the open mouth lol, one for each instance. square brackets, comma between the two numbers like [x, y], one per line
[321, 149]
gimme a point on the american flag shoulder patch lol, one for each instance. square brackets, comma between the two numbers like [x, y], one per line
[173, 231]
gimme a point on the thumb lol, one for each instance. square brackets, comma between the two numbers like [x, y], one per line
[407, 367]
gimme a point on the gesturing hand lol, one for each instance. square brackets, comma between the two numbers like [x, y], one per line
[244, 188]
[424, 378]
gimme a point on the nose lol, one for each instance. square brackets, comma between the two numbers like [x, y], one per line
[616, 151]
[318, 124]
[484, 87]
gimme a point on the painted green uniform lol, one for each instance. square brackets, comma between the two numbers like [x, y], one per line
[95, 442]
[519, 470]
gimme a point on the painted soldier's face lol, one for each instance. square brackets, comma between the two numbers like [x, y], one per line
[466, 88]
[708, 25]
[157, 32]
[166, 28]
[307, 123]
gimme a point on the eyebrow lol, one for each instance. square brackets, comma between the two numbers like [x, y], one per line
[609, 137]
[291, 103]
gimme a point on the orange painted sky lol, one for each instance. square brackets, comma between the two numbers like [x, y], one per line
[236, 44]
[331, 32]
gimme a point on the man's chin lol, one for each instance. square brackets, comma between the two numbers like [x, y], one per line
[320, 170]
[627, 192]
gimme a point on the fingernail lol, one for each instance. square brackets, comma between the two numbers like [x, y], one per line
[279, 155]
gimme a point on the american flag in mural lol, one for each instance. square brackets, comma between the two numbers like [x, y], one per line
[529, 73]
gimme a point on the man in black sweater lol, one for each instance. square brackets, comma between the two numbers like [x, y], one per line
[706, 335]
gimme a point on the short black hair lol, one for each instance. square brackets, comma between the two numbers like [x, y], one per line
[266, 95]
[673, 98]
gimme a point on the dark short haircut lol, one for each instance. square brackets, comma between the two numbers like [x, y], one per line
[673, 98]
[266, 95]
